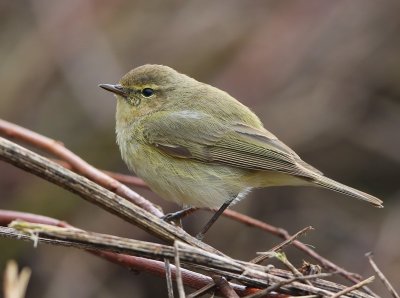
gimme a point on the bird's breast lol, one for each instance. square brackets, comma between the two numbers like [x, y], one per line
[183, 181]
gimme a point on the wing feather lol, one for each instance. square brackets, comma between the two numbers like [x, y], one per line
[204, 139]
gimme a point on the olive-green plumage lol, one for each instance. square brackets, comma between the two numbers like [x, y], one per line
[197, 145]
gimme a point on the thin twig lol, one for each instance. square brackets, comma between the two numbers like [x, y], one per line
[281, 256]
[381, 276]
[353, 287]
[179, 283]
[258, 259]
[291, 239]
[280, 246]
[260, 280]
[202, 290]
[168, 277]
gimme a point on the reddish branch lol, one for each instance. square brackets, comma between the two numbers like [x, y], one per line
[126, 179]
[77, 164]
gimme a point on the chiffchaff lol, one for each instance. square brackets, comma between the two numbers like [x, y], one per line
[196, 145]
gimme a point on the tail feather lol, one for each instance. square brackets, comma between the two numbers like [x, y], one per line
[347, 190]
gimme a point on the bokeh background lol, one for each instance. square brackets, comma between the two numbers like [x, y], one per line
[324, 76]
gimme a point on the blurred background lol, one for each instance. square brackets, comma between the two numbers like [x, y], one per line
[324, 76]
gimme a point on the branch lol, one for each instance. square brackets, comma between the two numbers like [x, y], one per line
[191, 279]
[88, 190]
[255, 274]
[96, 241]
[276, 286]
[77, 164]
[43, 167]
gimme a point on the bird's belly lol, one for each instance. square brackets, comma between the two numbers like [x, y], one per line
[184, 181]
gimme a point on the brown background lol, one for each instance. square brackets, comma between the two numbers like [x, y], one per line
[324, 76]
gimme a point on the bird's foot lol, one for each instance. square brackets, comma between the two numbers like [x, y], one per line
[174, 216]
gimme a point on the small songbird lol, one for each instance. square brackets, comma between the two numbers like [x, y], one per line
[196, 145]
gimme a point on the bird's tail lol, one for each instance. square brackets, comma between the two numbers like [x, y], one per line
[344, 189]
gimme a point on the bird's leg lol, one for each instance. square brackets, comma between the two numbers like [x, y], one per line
[213, 219]
[179, 214]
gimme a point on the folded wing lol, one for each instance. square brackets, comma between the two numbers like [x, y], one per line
[199, 137]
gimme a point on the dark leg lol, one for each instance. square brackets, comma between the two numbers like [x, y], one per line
[213, 219]
[179, 214]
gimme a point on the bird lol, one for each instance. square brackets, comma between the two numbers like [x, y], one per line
[198, 146]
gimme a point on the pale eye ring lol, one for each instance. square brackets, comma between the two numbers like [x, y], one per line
[147, 92]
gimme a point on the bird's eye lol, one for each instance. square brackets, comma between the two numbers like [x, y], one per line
[147, 92]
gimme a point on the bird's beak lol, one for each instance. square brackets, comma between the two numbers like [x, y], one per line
[117, 89]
